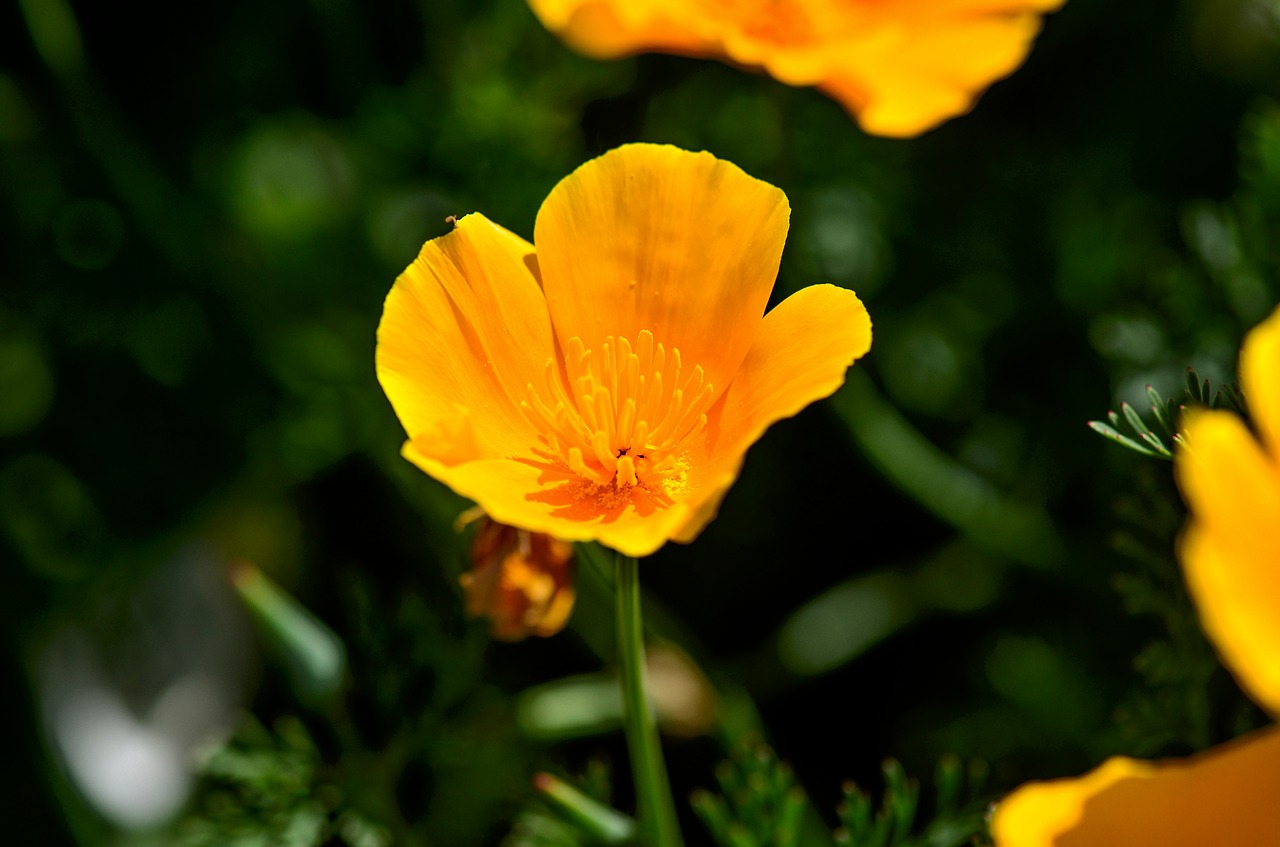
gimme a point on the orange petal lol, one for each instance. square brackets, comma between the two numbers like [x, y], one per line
[463, 331]
[1228, 551]
[900, 80]
[801, 353]
[538, 498]
[1225, 796]
[1229, 556]
[650, 237]
[1260, 379]
[976, 8]
[609, 29]
[899, 68]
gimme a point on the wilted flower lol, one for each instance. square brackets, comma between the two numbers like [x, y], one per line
[899, 67]
[521, 581]
[1230, 554]
[607, 386]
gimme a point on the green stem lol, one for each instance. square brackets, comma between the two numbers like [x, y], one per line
[656, 810]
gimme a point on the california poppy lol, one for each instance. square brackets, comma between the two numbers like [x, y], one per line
[606, 384]
[899, 67]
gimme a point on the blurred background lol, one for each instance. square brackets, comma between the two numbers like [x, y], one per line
[231, 612]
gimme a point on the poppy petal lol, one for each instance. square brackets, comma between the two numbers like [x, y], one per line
[651, 237]
[527, 494]
[1224, 796]
[464, 330]
[1228, 552]
[804, 347]
[610, 29]
[901, 80]
[1260, 379]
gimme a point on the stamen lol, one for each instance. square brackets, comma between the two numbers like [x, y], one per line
[626, 471]
[623, 415]
[627, 421]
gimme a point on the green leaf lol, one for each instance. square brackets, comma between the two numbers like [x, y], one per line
[1113, 434]
[1161, 411]
[1193, 385]
[591, 816]
[1153, 441]
[1133, 419]
[759, 802]
[315, 658]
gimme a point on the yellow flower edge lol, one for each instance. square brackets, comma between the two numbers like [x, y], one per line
[898, 68]
[1230, 479]
[517, 372]
[1225, 796]
[1230, 550]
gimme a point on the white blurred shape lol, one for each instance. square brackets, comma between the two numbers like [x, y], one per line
[133, 773]
[132, 685]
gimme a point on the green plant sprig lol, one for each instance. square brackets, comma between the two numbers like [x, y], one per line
[1129, 429]
[761, 805]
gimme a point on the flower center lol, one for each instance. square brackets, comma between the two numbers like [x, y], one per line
[622, 415]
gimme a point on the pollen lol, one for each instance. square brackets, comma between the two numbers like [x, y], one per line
[623, 415]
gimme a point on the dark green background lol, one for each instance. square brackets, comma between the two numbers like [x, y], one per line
[203, 208]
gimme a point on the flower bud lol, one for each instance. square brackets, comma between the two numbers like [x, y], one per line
[521, 581]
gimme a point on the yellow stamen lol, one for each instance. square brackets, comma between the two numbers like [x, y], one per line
[623, 416]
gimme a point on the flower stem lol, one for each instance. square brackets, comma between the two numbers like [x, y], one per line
[656, 810]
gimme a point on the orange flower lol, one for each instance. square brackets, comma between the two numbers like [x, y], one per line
[1230, 554]
[608, 385]
[521, 581]
[899, 67]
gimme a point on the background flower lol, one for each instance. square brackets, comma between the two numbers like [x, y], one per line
[1230, 478]
[898, 67]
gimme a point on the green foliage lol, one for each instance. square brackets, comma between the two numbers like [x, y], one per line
[761, 805]
[564, 814]
[958, 812]
[1182, 699]
[759, 801]
[271, 788]
[191, 293]
[1141, 438]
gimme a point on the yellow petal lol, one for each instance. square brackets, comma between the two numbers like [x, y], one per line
[1260, 379]
[901, 81]
[976, 8]
[650, 237]
[801, 353]
[899, 68]
[1226, 796]
[538, 497]
[609, 29]
[463, 331]
[1238, 597]
[1229, 550]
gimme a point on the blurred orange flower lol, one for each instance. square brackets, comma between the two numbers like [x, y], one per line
[521, 581]
[899, 67]
[607, 385]
[1230, 552]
